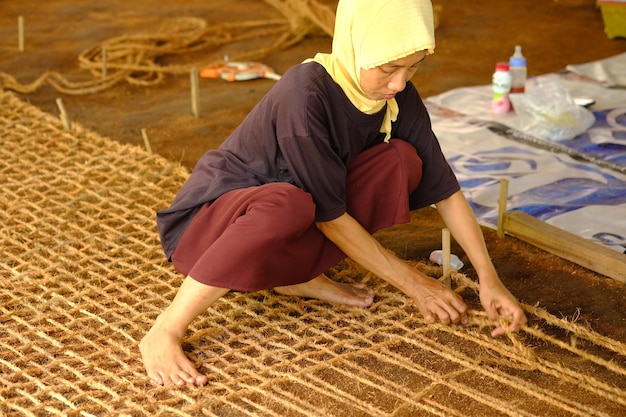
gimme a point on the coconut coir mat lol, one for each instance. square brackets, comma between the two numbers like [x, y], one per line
[83, 277]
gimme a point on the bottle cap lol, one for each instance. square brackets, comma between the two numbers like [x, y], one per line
[517, 62]
[517, 59]
[502, 66]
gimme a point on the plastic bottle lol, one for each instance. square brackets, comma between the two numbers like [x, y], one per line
[500, 102]
[517, 68]
[436, 256]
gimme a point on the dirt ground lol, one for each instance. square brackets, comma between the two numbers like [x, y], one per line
[471, 37]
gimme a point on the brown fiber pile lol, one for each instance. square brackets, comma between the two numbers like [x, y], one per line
[82, 277]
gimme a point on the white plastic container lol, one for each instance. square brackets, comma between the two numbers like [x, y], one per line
[436, 256]
[500, 102]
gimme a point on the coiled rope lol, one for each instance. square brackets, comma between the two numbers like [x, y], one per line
[133, 58]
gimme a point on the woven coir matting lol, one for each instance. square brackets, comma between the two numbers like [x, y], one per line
[83, 277]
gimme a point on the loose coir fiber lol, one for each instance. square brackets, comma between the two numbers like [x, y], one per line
[83, 277]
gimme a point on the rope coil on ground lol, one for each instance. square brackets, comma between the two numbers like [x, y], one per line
[133, 58]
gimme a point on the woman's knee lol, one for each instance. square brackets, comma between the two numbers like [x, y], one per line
[285, 208]
[410, 162]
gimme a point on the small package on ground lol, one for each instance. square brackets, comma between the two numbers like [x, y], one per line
[547, 110]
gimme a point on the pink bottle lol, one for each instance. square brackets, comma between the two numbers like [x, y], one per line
[500, 102]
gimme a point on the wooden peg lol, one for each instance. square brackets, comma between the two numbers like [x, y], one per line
[445, 257]
[146, 141]
[104, 61]
[195, 92]
[65, 119]
[504, 195]
[20, 33]
[445, 250]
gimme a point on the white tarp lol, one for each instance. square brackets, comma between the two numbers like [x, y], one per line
[578, 185]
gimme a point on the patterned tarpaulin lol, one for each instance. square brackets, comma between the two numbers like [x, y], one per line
[577, 184]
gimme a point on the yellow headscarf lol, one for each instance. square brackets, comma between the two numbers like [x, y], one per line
[369, 33]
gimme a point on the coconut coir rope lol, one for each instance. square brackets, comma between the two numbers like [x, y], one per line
[82, 278]
[133, 58]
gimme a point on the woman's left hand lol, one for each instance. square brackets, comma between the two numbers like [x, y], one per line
[499, 304]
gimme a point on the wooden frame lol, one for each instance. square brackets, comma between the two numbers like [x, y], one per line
[559, 242]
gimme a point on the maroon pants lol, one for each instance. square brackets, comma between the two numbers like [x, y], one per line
[263, 237]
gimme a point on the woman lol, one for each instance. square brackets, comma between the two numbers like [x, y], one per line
[339, 148]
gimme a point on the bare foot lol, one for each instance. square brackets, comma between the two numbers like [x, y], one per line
[164, 359]
[326, 289]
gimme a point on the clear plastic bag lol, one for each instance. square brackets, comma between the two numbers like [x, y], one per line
[548, 111]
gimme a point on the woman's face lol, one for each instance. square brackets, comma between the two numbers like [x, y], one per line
[385, 81]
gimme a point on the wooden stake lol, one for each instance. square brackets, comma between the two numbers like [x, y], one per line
[64, 117]
[504, 195]
[445, 250]
[146, 141]
[104, 62]
[566, 245]
[195, 92]
[20, 33]
[445, 257]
